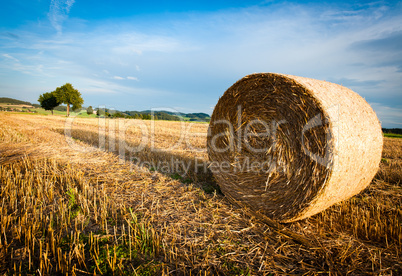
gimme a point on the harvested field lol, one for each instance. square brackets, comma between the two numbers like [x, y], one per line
[114, 199]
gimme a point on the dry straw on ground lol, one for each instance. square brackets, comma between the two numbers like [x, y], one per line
[289, 147]
[88, 213]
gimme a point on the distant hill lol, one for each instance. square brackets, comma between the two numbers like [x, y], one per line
[194, 117]
[13, 101]
[198, 117]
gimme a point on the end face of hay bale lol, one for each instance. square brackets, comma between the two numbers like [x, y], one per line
[289, 147]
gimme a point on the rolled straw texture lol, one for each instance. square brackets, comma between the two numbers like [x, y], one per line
[289, 147]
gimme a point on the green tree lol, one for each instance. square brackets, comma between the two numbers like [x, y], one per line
[67, 94]
[118, 115]
[101, 112]
[48, 101]
[90, 110]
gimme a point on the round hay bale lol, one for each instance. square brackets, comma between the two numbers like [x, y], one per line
[289, 147]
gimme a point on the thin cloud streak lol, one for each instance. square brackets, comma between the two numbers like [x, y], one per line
[389, 116]
[58, 13]
[10, 57]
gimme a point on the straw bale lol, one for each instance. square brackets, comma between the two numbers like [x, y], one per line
[288, 147]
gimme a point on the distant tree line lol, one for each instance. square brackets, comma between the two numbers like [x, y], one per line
[110, 113]
[392, 130]
[156, 115]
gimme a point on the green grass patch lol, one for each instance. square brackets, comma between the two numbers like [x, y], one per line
[182, 179]
[392, 135]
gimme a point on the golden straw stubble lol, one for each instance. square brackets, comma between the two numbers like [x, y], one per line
[289, 147]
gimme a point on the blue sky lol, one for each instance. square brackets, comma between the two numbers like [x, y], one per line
[137, 55]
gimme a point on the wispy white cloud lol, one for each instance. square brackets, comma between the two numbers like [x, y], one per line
[58, 12]
[27, 68]
[123, 78]
[10, 57]
[389, 116]
[98, 86]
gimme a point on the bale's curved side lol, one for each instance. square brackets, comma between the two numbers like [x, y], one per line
[358, 142]
[310, 144]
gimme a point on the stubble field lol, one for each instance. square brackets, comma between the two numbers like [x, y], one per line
[131, 197]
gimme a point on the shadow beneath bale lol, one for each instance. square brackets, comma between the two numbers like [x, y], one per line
[185, 167]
